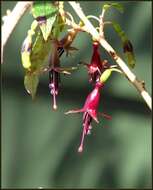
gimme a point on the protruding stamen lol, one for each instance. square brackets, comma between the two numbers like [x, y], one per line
[53, 78]
[54, 102]
[80, 149]
[89, 130]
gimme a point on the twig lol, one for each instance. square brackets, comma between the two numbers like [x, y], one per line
[69, 22]
[101, 24]
[74, 25]
[11, 21]
[131, 77]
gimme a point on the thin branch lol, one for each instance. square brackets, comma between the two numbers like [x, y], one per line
[94, 17]
[11, 21]
[101, 24]
[69, 22]
[74, 25]
[128, 73]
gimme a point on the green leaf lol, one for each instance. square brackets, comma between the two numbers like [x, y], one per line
[27, 46]
[119, 31]
[127, 45]
[25, 56]
[58, 26]
[45, 13]
[40, 52]
[31, 82]
[117, 6]
[26, 52]
[35, 62]
[130, 59]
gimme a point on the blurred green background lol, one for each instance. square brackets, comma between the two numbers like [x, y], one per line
[39, 146]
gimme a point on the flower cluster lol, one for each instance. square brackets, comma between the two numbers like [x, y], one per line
[90, 108]
[44, 38]
[98, 71]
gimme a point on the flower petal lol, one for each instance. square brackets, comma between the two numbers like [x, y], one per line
[75, 111]
[105, 115]
[93, 114]
[65, 70]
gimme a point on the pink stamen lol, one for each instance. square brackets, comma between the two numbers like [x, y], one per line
[89, 130]
[75, 111]
[54, 102]
[80, 149]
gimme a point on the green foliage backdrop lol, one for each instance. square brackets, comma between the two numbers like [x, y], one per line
[39, 146]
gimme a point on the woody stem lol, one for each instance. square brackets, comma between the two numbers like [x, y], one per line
[11, 21]
[128, 73]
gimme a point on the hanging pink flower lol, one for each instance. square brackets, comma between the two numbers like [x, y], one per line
[90, 112]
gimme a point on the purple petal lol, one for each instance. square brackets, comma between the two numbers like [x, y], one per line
[41, 19]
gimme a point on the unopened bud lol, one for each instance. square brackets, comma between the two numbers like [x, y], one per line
[105, 75]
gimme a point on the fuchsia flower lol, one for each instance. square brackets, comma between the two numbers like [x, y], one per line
[54, 75]
[54, 78]
[96, 67]
[90, 111]
[55, 70]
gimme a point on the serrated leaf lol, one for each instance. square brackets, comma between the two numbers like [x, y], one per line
[127, 45]
[117, 6]
[45, 13]
[31, 82]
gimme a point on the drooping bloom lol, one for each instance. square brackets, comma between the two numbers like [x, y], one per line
[90, 111]
[96, 67]
[55, 69]
[54, 76]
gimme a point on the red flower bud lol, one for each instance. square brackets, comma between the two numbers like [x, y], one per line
[96, 67]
